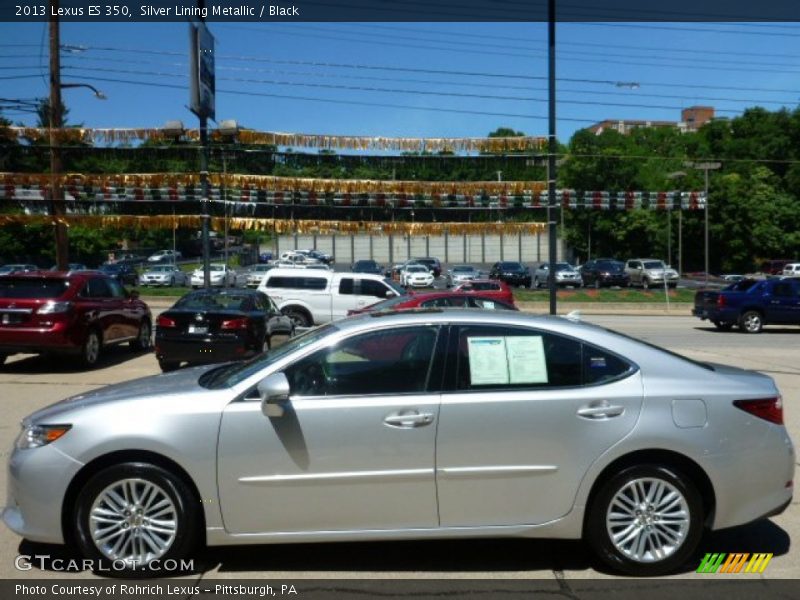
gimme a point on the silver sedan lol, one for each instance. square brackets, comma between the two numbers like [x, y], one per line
[439, 424]
[166, 275]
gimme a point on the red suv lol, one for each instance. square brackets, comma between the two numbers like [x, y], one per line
[74, 313]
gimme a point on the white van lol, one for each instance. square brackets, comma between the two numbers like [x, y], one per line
[792, 269]
[312, 297]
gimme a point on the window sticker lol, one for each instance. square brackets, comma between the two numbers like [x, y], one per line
[526, 360]
[597, 362]
[488, 362]
[507, 360]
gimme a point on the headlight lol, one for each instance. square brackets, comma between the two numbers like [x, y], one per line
[34, 436]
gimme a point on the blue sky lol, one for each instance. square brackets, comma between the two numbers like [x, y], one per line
[474, 68]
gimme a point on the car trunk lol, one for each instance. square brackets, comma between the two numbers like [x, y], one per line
[192, 322]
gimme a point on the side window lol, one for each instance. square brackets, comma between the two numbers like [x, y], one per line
[96, 288]
[370, 287]
[346, 286]
[505, 358]
[115, 289]
[394, 361]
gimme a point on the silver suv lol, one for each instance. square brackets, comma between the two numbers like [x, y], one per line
[649, 272]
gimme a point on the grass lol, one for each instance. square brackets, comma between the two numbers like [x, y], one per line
[631, 295]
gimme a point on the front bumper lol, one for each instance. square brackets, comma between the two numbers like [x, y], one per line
[37, 481]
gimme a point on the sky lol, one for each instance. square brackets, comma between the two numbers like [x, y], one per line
[408, 79]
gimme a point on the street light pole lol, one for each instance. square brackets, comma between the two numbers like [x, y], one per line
[551, 150]
[56, 167]
[705, 167]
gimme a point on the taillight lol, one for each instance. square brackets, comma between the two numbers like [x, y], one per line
[165, 322]
[234, 324]
[720, 301]
[769, 409]
[53, 308]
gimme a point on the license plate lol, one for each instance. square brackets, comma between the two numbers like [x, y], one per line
[198, 329]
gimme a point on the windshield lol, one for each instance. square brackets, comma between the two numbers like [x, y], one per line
[416, 269]
[463, 269]
[610, 265]
[511, 266]
[653, 264]
[217, 268]
[162, 269]
[13, 287]
[229, 375]
[563, 267]
[213, 301]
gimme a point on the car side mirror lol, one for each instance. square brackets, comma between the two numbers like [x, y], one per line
[390, 294]
[273, 391]
[638, 267]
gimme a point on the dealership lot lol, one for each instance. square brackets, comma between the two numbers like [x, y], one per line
[31, 382]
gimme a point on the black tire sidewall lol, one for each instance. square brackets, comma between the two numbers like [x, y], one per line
[185, 538]
[597, 536]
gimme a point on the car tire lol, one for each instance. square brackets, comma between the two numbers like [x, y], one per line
[751, 321]
[645, 283]
[617, 508]
[266, 345]
[535, 284]
[91, 349]
[144, 339]
[597, 284]
[171, 282]
[108, 496]
[723, 325]
[3, 358]
[168, 365]
[298, 317]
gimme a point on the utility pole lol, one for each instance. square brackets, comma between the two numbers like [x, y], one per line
[552, 149]
[56, 121]
[705, 167]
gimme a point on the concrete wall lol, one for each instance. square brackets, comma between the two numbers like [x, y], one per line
[449, 249]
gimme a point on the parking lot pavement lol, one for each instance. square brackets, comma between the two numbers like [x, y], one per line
[29, 383]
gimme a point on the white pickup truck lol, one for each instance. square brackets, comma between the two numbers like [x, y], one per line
[313, 297]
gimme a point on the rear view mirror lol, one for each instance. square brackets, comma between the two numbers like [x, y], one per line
[273, 391]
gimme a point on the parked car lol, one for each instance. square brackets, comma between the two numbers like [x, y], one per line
[732, 278]
[298, 257]
[512, 273]
[76, 313]
[17, 268]
[775, 266]
[792, 269]
[366, 266]
[165, 256]
[433, 264]
[437, 424]
[444, 299]
[125, 273]
[207, 326]
[164, 275]
[72, 267]
[220, 275]
[323, 257]
[604, 272]
[416, 276]
[489, 288]
[461, 273]
[650, 272]
[751, 304]
[566, 275]
[256, 274]
[312, 297]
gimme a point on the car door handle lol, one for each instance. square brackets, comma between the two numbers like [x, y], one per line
[602, 410]
[408, 419]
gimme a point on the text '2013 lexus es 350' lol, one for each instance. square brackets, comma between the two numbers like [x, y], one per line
[413, 425]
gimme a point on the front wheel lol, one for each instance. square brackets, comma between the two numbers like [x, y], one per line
[751, 322]
[645, 284]
[646, 520]
[135, 513]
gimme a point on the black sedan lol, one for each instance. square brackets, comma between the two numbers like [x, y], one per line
[216, 325]
[367, 266]
[125, 273]
[513, 273]
[604, 272]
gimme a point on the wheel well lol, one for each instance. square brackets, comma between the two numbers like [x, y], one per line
[115, 458]
[661, 457]
[298, 308]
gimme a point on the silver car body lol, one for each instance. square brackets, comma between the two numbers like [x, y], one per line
[220, 275]
[434, 464]
[164, 275]
[416, 275]
[650, 271]
[460, 274]
[256, 274]
[566, 275]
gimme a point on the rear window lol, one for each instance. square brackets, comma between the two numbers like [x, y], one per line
[297, 282]
[13, 287]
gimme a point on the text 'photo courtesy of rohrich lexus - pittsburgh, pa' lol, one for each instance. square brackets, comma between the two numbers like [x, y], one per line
[419, 424]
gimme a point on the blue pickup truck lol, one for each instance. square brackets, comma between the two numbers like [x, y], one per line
[750, 304]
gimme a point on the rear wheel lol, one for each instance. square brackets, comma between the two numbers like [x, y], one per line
[143, 340]
[132, 514]
[168, 365]
[751, 322]
[3, 358]
[646, 520]
[90, 351]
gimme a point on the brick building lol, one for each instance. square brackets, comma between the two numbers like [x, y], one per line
[692, 119]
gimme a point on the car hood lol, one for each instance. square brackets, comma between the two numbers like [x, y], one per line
[176, 383]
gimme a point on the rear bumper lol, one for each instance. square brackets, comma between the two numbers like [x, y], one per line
[202, 349]
[36, 340]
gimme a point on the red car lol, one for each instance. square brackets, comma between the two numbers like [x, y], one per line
[75, 313]
[490, 288]
[437, 300]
